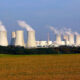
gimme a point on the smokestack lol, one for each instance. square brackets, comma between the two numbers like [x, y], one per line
[13, 38]
[48, 39]
[31, 42]
[58, 39]
[19, 39]
[3, 38]
[77, 40]
[71, 39]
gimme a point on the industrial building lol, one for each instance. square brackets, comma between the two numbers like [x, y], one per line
[43, 43]
[17, 38]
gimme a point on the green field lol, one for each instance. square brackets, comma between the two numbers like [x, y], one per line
[40, 67]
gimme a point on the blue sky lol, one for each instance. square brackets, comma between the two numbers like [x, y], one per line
[40, 14]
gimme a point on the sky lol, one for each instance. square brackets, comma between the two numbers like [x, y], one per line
[40, 14]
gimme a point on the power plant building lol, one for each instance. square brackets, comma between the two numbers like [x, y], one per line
[43, 43]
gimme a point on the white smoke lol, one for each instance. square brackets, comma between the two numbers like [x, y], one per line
[54, 30]
[2, 27]
[68, 31]
[57, 31]
[63, 31]
[76, 33]
[23, 24]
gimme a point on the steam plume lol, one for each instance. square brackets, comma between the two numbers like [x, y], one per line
[2, 27]
[63, 31]
[76, 33]
[54, 30]
[57, 31]
[23, 24]
[68, 31]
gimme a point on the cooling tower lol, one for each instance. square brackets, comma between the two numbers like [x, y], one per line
[66, 39]
[58, 39]
[19, 41]
[31, 42]
[3, 38]
[13, 38]
[77, 40]
[71, 39]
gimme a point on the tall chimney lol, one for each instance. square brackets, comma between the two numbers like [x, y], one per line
[13, 38]
[19, 39]
[31, 42]
[3, 38]
[48, 39]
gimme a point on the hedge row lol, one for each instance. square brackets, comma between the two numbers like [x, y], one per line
[53, 50]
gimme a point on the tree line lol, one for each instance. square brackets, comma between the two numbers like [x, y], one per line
[53, 50]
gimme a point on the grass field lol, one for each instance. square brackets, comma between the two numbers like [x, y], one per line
[40, 67]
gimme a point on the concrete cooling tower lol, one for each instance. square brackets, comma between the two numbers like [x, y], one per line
[58, 39]
[3, 38]
[71, 39]
[31, 42]
[77, 40]
[19, 41]
[13, 38]
[66, 39]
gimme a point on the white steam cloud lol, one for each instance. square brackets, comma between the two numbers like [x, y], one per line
[76, 33]
[68, 31]
[2, 27]
[63, 31]
[23, 24]
[55, 31]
